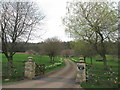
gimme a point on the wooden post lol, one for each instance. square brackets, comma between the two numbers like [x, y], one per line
[91, 60]
[85, 59]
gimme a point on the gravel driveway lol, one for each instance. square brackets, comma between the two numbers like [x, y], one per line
[63, 78]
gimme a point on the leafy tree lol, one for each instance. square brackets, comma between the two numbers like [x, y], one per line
[83, 48]
[66, 45]
[94, 22]
[68, 53]
[52, 47]
[112, 48]
[118, 29]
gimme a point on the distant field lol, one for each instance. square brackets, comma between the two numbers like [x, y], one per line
[111, 60]
[37, 58]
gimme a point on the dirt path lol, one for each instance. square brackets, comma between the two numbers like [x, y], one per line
[63, 78]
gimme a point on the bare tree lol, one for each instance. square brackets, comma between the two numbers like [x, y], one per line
[18, 21]
[52, 47]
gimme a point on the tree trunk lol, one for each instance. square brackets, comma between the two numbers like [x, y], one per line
[51, 59]
[105, 62]
[103, 50]
[103, 54]
[85, 59]
[91, 60]
[10, 65]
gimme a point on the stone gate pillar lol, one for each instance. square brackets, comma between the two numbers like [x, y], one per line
[30, 68]
[81, 74]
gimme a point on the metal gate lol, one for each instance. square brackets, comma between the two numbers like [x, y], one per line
[40, 69]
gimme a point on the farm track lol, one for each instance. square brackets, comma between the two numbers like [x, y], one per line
[63, 78]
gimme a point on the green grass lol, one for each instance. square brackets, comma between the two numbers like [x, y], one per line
[19, 66]
[101, 78]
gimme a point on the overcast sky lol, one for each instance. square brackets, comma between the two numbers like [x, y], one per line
[54, 11]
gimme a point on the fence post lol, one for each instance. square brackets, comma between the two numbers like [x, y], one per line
[86, 72]
[30, 68]
[91, 60]
[81, 72]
